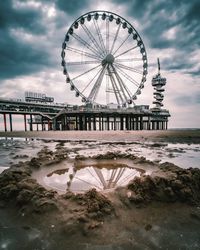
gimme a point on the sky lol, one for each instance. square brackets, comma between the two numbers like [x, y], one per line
[32, 33]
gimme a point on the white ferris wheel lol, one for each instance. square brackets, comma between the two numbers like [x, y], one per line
[104, 59]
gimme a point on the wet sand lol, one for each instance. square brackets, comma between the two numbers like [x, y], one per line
[33, 217]
[188, 136]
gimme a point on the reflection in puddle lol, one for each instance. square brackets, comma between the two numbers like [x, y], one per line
[83, 177]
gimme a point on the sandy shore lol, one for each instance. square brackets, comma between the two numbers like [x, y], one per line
[188, 136]
[156, 211]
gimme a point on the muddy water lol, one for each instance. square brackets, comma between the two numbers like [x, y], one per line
[22, 149]
[80, 176]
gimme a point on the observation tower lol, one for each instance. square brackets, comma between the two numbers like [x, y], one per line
[159, 119]
[158, 82]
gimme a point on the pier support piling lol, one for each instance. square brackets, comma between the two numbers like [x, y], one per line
[5, 124]
[10, 118]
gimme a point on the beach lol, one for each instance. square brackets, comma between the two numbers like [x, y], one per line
[192, 136]
[100, 190]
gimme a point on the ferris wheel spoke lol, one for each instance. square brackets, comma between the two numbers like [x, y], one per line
[87, 182]
[121, 90]
[87, 45]
[86, 72]
[128, 77]
[81, 63]
[129, 68]
[127, 51]
[94, 176]
[128, 60]
[96, 87]
[107, 88]
[90, 82]
[126, 92]
[130, 176]
[92, 38]
[115, 39]
[107, 35]
[100, 36]
[81, 52]
[116, 91]
[122, 44]
[101, 177]
[121, 172]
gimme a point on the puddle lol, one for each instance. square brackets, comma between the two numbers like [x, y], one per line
[78, 177]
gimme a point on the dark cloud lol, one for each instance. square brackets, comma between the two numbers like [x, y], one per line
[18, 58]
[26, 18]
[176, 62]
[71, 6]
[156, 18]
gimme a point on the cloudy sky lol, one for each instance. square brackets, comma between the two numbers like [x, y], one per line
[32, 32]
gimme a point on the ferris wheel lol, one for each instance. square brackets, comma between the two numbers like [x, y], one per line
[104, 59]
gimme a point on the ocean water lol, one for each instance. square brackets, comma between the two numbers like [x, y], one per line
[95, 174]
[14, 150]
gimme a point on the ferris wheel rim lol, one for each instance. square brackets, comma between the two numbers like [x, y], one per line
[109, 58]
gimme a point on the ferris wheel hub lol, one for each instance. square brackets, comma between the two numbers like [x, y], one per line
[109, 59]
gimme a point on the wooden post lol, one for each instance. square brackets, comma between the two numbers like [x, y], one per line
[25, 125]
[89, 122]
[114, 122]
[10, 118]
[141, 122]
[94, 123]
[148, 123]
[5, 124]
[31, 122]
[108, 122]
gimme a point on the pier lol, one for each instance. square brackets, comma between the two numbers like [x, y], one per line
[136, 118]
[37, 113]
[56, 116]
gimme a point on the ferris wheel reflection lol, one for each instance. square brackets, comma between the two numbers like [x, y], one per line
[101, 178]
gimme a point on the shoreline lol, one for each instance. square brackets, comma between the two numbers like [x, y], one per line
[184, 136]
